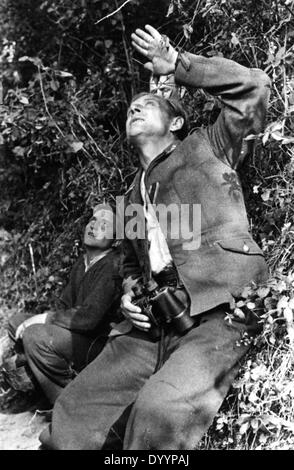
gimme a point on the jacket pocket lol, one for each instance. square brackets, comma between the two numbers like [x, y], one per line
[245, 246]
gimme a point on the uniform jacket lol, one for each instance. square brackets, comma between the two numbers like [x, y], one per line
[203, 169]
[89, 301]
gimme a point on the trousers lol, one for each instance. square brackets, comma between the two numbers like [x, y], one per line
[54, 354]
[121, 400]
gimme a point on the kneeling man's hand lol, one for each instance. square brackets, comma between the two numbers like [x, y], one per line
[133, 312]
[41, 318]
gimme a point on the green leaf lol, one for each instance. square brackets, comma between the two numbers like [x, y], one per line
[188, 30]
[277, 135]
[279, 55]
[108, 43]
[250, 305]
[265, 138]
[35, 60]
[266, 195]
[283, 303]
[243, 429]
[19, 151]
[54, 85]
[247, 291]
[262, 292]
[234, 40]
[170, 9]
[254, 424]
[24, 100]
[62, 74]
[281, 286]
[287, 140]
[76, 146]
[239, 313]
[274, 126]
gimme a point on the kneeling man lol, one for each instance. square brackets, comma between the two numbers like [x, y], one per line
[58, 344]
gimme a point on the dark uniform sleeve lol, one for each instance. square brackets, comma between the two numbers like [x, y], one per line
[244, 94]
[101, 292]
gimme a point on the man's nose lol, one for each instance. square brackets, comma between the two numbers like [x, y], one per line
[136, 109]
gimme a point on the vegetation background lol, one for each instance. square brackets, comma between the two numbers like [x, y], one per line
[68, 73]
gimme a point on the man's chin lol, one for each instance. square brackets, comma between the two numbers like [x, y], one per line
[94, 245]
[135, 138]
[90, 243]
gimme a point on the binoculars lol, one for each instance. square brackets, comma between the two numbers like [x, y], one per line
[162, 306]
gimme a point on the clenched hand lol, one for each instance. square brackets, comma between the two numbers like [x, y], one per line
[133, 313]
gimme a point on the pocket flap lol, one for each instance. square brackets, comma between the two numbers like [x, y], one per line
[246, 246]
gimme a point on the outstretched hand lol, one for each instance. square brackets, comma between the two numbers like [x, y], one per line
[151, 44]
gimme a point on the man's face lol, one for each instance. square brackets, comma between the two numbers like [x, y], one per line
[146, 118]
[99, 230]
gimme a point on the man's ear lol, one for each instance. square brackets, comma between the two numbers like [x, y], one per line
[176, 123]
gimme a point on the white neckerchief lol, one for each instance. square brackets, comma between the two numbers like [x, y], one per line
[95, 259]
[159, 254]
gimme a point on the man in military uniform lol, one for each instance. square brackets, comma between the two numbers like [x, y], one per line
[162, 392]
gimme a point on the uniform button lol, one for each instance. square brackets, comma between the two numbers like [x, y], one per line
[246, 248]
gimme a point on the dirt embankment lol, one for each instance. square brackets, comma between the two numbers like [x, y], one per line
[23, 418]
[20, 431]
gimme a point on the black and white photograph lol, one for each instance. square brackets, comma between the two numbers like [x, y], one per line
[147, 227]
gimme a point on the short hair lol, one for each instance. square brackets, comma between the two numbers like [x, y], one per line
[106, 208]
[173, 108]
[103, 207]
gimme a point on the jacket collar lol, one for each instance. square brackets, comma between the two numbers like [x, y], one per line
[162, 156]
[134, 188]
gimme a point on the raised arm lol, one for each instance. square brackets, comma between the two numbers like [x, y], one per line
[243, 92]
